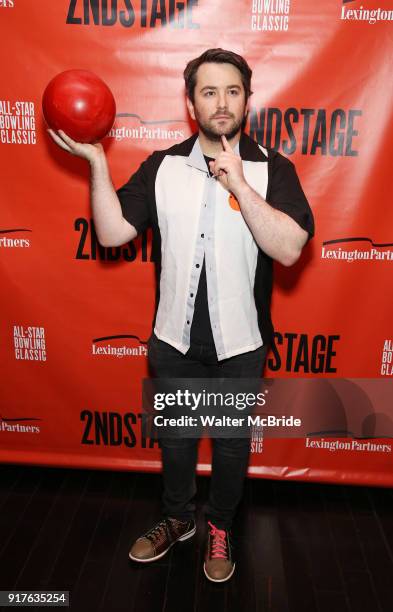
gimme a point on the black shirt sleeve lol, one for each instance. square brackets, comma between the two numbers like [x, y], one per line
[134, 198]
[285, 192]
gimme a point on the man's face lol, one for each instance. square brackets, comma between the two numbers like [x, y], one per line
[219, 101]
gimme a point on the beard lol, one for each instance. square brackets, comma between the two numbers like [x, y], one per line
[214, 133]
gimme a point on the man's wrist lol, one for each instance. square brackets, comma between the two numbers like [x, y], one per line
[97, 160]
[242, 191]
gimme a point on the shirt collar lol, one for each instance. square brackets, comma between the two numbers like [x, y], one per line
[250, 150]
[196, 158]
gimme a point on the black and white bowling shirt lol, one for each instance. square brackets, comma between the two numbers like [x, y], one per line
[195, 220]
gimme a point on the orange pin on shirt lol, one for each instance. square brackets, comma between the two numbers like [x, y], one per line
[233, 203]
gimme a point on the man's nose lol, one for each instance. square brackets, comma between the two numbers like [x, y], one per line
[222, 100]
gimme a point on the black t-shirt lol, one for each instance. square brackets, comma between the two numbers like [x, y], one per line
[201, 330]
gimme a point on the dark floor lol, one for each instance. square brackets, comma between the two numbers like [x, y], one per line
[300, 547]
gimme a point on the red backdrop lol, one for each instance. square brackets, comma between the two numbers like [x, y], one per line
[71, 389]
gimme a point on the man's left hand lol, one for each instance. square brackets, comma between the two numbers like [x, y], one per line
[228, 168]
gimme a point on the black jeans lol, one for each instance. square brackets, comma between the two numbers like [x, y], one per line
[179, 455]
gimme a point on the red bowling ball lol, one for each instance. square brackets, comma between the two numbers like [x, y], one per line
[79, 103]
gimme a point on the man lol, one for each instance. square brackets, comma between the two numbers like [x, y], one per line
[222, 208]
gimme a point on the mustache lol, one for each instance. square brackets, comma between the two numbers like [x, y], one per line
[229, 115]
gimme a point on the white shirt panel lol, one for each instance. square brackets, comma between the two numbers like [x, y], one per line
[236, 260]
[227, 245]
[179, 194]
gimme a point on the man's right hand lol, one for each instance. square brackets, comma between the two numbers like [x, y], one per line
[111, 227]
[91, 152]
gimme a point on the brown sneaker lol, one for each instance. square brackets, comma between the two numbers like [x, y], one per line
[219, 565]
[159, 539]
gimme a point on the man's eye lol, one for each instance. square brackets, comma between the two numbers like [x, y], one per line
[209, 93]
[234, 92]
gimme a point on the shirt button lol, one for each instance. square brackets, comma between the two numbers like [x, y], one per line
[202, 235]
[188, 322]
[197, 266]
[191, 295]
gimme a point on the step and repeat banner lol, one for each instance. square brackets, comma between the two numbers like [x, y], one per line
[76, 316]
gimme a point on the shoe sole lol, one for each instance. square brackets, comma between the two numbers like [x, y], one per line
[215, 579]
[184, 537]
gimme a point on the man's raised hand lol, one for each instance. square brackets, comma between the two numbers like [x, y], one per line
[228, 168]
[79, 149]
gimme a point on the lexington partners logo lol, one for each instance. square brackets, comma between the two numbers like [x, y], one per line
[19, 425]
[9, 242]
[114, 346]
[133, 127]
[29, 343]
[357, 12]
[17, 122]
[366, 250]
[128, 13]
[347, 445]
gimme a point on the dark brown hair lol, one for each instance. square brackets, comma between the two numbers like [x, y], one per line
[218, 56]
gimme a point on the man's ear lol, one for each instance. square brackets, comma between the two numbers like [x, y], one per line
[247, 108]
[190, 107]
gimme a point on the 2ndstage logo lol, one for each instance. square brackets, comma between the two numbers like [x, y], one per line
[294, 352]
[108, 428]
[311, 131]
[178, 15]
[89, 249]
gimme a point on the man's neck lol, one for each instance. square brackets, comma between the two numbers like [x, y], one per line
[212, 148]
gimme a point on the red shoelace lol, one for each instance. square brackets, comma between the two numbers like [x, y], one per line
[219, 544]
